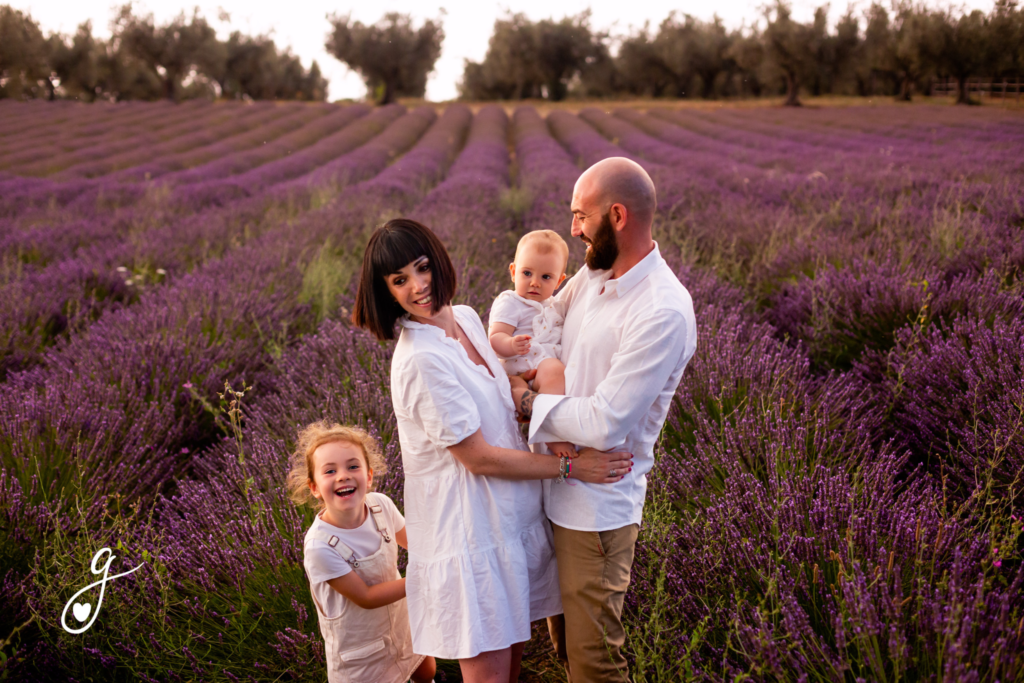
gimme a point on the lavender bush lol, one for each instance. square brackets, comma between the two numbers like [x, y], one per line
[128, 255]
[837, 488]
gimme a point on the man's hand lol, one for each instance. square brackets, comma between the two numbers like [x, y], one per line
[525, 406]
[521, 344]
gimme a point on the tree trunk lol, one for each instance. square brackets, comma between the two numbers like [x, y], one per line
[906, 88]
[389, 93]
[792, 90]
[963, 94]
[708, 84]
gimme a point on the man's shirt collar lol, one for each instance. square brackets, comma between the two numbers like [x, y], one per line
[632, 277]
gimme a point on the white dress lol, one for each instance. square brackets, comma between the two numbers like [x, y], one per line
[481, 558]
[542, 320]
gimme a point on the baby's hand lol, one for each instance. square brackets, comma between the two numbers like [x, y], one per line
[562, 449]
[521, 344]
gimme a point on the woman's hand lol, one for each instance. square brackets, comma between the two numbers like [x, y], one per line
[596, 467]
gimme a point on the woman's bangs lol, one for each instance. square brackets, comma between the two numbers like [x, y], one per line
[395, 250]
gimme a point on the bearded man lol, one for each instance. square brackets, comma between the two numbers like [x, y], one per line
[629, 331]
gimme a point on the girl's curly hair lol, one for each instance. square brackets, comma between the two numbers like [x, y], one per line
[311, 437]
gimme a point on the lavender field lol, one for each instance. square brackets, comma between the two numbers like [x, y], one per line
[838, 495]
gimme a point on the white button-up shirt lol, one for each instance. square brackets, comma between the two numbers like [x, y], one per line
[625, 343]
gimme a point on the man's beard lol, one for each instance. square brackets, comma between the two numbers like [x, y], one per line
[603, 249]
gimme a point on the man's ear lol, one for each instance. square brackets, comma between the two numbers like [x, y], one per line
[618, 214]
[512, 270]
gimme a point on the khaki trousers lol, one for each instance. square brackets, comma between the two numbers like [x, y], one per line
[593, 575]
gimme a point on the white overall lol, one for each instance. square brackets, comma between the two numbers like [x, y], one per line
[368, 645]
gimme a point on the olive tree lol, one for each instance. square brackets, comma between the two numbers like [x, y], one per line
[393, 58]
[181, 48]
[24, 67]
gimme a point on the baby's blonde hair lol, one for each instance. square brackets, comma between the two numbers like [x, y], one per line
[546, 241]
[312, 437]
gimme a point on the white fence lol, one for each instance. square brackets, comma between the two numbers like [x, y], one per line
[992, 88]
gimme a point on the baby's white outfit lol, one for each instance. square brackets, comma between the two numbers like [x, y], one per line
[542, 320]
[361, 645]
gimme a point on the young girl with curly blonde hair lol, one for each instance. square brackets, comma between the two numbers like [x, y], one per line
[351, 559]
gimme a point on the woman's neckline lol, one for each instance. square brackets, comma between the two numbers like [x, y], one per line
[484, 367]
[443, 329]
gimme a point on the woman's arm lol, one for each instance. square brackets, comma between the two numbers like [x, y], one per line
[479, 457]
[355, 589]
[504, 344]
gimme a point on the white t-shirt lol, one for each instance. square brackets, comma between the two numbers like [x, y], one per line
[323, 562]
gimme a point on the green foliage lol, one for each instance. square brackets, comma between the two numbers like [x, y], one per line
[534, 59]
[253, 67]
[393, 58]
[145, 60]
[158, 624]
[891, 51]
[652, 633]
[23, 56]
[327, 276]
[516, 201]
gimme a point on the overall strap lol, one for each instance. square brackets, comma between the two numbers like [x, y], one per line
[346, 553]
[377, 512]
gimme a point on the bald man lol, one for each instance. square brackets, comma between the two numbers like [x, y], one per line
[629, 332]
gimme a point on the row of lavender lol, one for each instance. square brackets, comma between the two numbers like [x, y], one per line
[398, 188]
[846, 505]
[129, 424]
[46, 312]
[734, 486]
[86, 265]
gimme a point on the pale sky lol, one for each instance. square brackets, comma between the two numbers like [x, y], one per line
[302, 24]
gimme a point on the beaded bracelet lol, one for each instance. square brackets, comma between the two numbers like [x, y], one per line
[562, 468]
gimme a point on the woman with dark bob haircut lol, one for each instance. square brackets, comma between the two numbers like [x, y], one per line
[481, 558]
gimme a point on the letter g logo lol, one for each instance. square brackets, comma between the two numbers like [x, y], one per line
[82, 611]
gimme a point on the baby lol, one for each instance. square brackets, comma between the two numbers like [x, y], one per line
[526, 324]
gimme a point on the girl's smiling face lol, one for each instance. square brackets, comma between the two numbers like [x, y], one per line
[410, 286]
[341, 479]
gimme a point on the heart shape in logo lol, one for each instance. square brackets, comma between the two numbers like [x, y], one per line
[81, 611]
